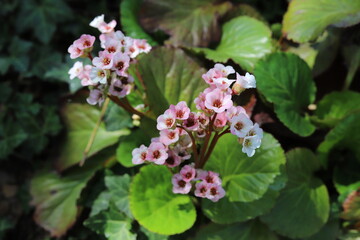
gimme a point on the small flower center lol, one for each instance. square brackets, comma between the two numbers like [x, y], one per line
[188, 175]
[119, 65]
[239, 125]
[169, 122]
[111, 49]
[209, 179]
[143, 155]
[247, 143]
[213, 191]
[171, 135]
[181, 183]
[170, 160]
[106, 61]
[118, 89]
[251, 133]
[217, 103]
[179, 114]
[86, 44]
[156, 154]
[203, 190]
[101, 74]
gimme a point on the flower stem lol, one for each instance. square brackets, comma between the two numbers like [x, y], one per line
[124, 103]
[93, 134]
[193, 145]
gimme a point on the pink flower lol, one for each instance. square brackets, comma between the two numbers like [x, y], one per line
[131, 48]
[85, 76]
[121, 63]
[185, 141]
[243, 82]
[223, 83]
[219, 71]
[96, 97]
[225, 71]
[104, 61]
[173, 159]
[117, 88]
[157, 153]
[240, 125]
[218, 101]
[182, 153]
[142, 45]
[181, 110]
[112, 45]
[191, 123]
[234, 111]
[215, 192]
[200, 100]
[166, 120]
[139, 155]
[202, 119]
[208, 176]
[75, 51]
[85, 41]
[188, 173]
[179, 185]
[201, 189]
[220, 120]
[169, 136]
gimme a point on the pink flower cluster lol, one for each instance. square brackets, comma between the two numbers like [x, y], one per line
[207, 183]
[108, 72]
[181, 130]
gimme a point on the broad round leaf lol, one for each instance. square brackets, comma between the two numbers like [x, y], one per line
[246, 179]
[290, 88]
[225, 211]
[170, 76]
[189, 23]
[305, 20]
[155, 206]
[80, 120]
[253, 230]
[55, 199]
[245, 40]
[343, 136]
[303, 205]
[335, 106]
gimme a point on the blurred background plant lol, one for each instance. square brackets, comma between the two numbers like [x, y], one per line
[306, 66]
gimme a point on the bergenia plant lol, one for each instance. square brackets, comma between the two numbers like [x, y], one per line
[186, 138]
[107, 75]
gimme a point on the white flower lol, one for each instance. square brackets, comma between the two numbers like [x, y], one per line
[240, 125]
[251, 143]
[76, 70]
[98, 75]
[256, 131]
[247, 81]
[97, 21]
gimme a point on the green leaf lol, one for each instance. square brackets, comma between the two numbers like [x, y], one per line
[11, 136]
[245, 40]
[243, 10]
[129, 143]
[290, 88]
[336, 106]
[352, 57]
[189, 23]
[129, 10]
[305, 20]
[253, 230]
[303, 205]
[306, 52]
[41, 17]
[154, 205]
[17, 57]
[246, 179]
[153, 236]
[225, 211]
[113, 224]
[170, 76]
[342, 136]
[117, 118]
[80, 120]
[55, 199]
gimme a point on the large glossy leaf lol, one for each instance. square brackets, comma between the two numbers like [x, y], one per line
[189, 23]
[113, 224]
[290, 88]
[303, 205]
[170, 76]
[253, 230]
[225, 211]
[154, 205]
[305, 20]
[55, 199]
[80, 120]
[117, 118]
[335, 106]
[246, 179]
[343, 136]
[245, 40]
[129, 10]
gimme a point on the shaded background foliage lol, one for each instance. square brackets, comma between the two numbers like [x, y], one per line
[38, 123]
